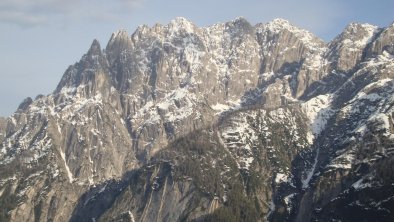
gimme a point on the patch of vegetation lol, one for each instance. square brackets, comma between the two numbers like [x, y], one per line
[8, 202]
[201, 158]
[238, 208]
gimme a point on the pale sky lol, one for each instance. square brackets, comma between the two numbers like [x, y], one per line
[40, 38]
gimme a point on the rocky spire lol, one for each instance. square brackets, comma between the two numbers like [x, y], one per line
[118, 42]
[84, 72]
[26, 102]
[95, 48]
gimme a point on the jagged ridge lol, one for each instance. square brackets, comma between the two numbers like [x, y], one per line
[270, 112]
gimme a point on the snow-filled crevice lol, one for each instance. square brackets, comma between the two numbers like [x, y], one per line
[69, 174]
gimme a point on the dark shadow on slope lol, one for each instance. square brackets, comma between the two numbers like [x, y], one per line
[328, 84]
[253, 97]
[339, 80]
[201, 158]
[99, 198]
[187, 160]
[330, 190]
[269, 161]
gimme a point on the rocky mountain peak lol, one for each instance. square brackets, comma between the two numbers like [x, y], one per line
[356, 28]
[95, 48]
[120, 34]
[357, 35]
[87, 72]
[239, 27]
[141, 29]
[177, 122]
[118, 42]
[280, 23]
[181, 24]
[119, 37]
[276, 29]
[25, 104]
[181, 21]
[348, 47]
[241, 22]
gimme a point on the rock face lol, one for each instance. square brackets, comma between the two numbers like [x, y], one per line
[348, 48]
[231, 122]
[3, 125]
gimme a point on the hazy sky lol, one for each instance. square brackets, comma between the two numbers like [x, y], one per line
[39, 39]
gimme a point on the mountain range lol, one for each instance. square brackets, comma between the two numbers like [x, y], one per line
[231, 122]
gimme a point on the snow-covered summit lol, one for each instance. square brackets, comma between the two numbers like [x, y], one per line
[358, 35]
[181, 24]
[279, 24]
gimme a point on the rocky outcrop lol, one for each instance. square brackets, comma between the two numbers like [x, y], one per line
[383, 42]
[347, 50]
[25, 104]
[3, 124]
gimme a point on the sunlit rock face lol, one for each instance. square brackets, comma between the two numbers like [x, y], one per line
[228, 122]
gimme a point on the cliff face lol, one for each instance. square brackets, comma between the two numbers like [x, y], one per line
[178, 122]
[3, 125]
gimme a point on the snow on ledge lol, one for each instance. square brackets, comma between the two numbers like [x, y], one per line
[318, 111]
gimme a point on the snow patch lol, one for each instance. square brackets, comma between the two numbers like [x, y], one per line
[220, 107]
[383, 121]
[288, 201]
[247, 161]
[69, 174]
[344, 161]
[367, 38]
[359, 184]
[230, 105]
[131, 216]
[281, 178]
[318, 110]
[180, 24]
[239, 138]
[164, 105]
[310, 172]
